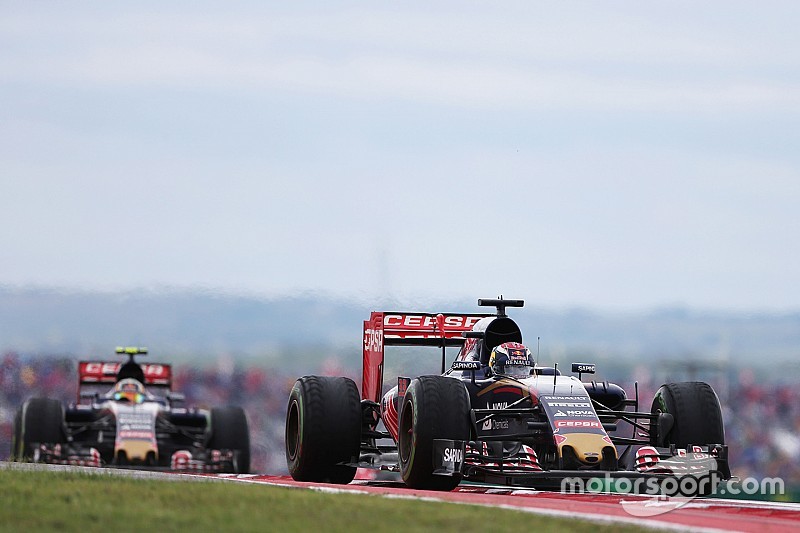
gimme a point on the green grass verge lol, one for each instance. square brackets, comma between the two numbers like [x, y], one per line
[63, 501]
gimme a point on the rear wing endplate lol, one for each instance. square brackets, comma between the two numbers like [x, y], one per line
[391, 328]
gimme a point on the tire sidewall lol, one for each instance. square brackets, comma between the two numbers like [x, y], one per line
[439, 410]
[295, 460]
[324, 422]
[409, 437]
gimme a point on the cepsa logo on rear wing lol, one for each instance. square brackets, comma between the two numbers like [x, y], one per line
[407, 329]
[106, 372]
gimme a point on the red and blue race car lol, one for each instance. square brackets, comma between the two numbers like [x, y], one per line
[495, 415]
[128, 415]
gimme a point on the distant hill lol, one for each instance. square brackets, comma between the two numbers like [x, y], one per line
[195, 323]
[185, 321]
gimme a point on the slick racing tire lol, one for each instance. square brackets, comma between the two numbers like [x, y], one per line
[16, 440]
[39, 421]
[434, 407]
[697, 417]
[323, 429]
[229, 431]
[696, 411]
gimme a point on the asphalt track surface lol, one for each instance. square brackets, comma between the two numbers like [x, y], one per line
[698, 514]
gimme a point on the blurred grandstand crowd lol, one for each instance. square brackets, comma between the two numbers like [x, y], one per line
[762, 420]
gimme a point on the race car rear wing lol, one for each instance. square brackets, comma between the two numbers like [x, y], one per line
[98, 376]
[391, 328]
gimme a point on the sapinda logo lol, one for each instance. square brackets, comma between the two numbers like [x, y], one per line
[373, 340]
[428, 322]
[453, 455]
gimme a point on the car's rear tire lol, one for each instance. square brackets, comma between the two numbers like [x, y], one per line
[695, 409]
[229, 431]
[323, 429]
[434, 407]
[39, 421]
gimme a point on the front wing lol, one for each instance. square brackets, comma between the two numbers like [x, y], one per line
[659, 469]
[181, 460]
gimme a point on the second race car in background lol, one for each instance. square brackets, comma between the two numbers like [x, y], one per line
[128, 415]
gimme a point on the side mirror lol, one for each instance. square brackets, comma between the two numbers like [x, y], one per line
[176, 397]
[583, 368]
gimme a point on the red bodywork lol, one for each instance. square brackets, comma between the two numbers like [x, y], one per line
[157, 376]
[386, 328]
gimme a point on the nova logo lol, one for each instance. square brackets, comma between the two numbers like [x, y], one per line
[559, 413]
[453, 455]
[583, 412]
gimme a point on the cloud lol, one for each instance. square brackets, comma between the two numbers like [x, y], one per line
[626, 153]
[588, 59]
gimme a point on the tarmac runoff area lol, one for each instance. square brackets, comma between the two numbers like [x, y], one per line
[699, 514]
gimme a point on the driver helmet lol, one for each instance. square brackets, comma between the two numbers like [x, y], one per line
[129, 390]
[512, 359]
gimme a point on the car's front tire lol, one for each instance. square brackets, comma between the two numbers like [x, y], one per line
[697, 420]
[39, 421]
[696, 411]
[434, 407]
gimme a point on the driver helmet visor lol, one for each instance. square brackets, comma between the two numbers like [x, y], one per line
[133, 397]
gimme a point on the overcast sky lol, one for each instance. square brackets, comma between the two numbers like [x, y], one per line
[616, 155]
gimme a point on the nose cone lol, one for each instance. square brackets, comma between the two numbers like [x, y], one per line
[587, 448]
[136, 449]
